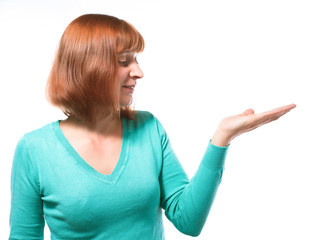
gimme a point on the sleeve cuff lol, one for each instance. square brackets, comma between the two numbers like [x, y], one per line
[214, 157]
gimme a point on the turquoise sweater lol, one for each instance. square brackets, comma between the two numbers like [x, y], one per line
[51, 181]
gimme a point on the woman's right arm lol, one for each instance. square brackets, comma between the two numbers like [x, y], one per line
[26, 216]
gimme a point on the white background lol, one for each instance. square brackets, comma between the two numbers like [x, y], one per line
[204, 60]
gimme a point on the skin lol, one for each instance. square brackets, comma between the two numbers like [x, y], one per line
[128, 73]
[100, 145]
[228, 129]
[231, 127]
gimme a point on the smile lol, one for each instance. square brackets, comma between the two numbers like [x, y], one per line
[131, 87]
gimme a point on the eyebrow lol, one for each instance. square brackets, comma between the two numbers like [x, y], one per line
[128, 53]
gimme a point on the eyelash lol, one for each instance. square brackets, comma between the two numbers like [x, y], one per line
[124, 63]
[127, 62]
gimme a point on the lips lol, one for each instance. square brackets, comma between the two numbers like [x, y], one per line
[129, 86]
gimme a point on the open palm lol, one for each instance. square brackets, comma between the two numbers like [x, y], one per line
[233, 126]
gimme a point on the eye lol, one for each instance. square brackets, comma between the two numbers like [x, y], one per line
[124, 63]
[125, 59]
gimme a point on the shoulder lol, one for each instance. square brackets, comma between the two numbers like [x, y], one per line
[37, 137]
[40, 132]
[146, 121]
[144, 116]
[143, 120]
[31, 145]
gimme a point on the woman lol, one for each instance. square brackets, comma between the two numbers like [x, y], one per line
[107, 171]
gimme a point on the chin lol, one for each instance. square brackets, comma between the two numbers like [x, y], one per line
[126, 102]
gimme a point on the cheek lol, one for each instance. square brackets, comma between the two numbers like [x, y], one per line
[122, 74]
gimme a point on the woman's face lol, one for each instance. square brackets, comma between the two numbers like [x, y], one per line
[128, 72]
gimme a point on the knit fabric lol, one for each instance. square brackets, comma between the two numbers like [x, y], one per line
[51, 183]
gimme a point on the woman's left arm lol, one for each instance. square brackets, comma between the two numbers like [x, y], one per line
[231, 127]
[187, 203]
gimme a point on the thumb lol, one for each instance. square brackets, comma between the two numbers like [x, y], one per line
[248, 112]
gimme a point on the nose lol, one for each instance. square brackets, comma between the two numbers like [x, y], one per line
[136, 71]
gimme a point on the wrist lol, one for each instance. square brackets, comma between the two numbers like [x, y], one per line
[221, 139]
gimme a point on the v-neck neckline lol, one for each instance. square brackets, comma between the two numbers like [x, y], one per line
[111, 178]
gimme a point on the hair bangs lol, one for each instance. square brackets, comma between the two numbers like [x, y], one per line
[129, 39]
[83, 80]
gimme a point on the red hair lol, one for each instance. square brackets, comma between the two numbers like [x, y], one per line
[83, 77]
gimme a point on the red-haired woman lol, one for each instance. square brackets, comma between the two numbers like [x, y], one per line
[106, 172]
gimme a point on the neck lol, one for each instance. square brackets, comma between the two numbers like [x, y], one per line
[106, 126]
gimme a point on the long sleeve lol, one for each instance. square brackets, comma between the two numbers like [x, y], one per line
[49, 177]
[187, 203]
[26, 216]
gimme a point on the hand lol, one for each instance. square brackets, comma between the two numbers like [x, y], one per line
[231, 127]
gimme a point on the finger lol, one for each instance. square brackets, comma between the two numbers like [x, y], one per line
[271, 118]
[248, 112]
[273, 112]
[282, 109]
